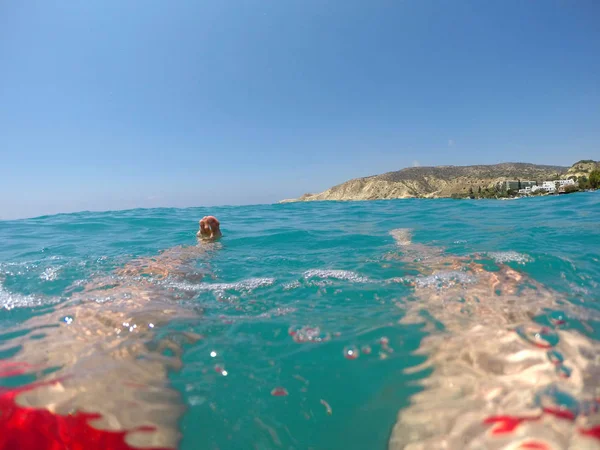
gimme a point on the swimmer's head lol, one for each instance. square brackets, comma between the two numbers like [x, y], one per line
[209, 228]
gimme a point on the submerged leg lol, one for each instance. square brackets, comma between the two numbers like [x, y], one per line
[498, 379]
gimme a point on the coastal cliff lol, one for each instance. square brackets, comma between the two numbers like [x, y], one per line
[444, 181]
[583, 168]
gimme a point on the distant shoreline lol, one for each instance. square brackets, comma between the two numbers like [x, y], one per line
[291, 201]
[498, 181]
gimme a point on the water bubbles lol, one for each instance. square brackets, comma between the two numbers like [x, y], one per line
[510, 256]
[343, 275]
[245, 286]
[279, 392]
[129, 326]
[542, 337]
[351, 352]
[385, 344]
[308, 334]
[442, 280]
[292, 285]
[9, 300]
[380, 347]
[50, 274]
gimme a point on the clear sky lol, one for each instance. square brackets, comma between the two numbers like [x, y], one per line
[110, 104]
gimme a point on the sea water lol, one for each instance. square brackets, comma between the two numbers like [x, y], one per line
[300, 309]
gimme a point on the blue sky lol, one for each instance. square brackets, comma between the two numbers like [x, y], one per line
[109, 104]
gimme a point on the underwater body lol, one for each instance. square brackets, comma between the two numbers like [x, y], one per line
[400, 324]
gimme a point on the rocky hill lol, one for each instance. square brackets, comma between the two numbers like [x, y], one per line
[443, 181]
[583, 168]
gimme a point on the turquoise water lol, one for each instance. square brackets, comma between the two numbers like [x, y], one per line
[282, 267]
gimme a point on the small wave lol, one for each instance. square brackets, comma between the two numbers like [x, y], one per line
[444, 279]
[10, 301]
[345, 275]
[20, 268]
[291, 285]
[275, 312]
[510, 256]
[240, 286]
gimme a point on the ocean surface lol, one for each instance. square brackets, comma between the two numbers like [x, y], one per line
[313, 325]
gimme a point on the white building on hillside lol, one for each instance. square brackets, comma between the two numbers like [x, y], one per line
[553, 186]
[566, 182]
[530, 187]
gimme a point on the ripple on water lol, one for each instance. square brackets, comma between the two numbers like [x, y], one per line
[344, 275]
[444, 279]
[308, 334]
[291, 285]
[10, 301]
[351, 352]
[510, 256]
[248, 285]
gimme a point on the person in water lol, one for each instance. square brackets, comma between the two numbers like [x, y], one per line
[100, 369]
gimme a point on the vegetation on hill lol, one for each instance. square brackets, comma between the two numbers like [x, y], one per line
[510, 171]
[594, 180]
